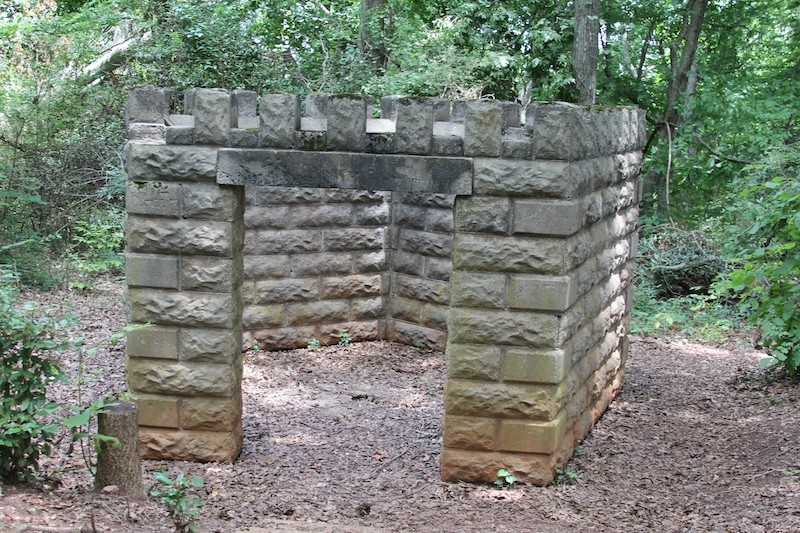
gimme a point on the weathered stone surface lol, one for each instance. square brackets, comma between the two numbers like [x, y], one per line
[347, 123]
[371, 214]
[439, 220]
[212, 202]
[263, 316]
[212, 414]
[147, 133]
[483, 129]
[265, 266]
[409, 216]
[205, 446]
[154, 342]
[356, 196]
[559, 131]
[286, 290]
[368, 308]
[170, 163]
[408, 263]
[267, 242]
[548, 217]
[158, 411]
[286, 168]
[257, 195]
[471, 433]
[314, 216]
[317, 312]
[481, 466]
[269, 217]
[223, 346]
[192, 237]
[482, 214]
[243, 138]
[244, 103]
[444, 201]
[524, 178]
[351, 287]
[182, 379]
[535, 366]
[179, 135]
[194, 309]
[504, 400]
[414, 130]
[530, 437]
[435, 316]
[438, 268]
[160, 271]
[425, 243]
[212, 116]
[476, 289]
[415, 335]
[483, 326]
[473, 361]
[329, 263]
[433, 291]
[280, 120]
[354, 239]
[509, 254]
[211, 274]
[147, 104]
[153, 198]
[406, 309]
[545, 293]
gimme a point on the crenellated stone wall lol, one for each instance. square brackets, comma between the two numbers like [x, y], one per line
[504, 236]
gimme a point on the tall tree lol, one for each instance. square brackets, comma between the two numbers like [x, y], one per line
[585, 48]
[372, 28]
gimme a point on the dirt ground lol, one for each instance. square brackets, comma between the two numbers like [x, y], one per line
[347, 439]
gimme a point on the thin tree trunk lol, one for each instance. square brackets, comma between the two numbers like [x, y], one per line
[585, 48]
[370, 42]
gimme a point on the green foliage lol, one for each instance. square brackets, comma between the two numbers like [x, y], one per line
[765, 232]
[344, 338]
[97, 241]
[566, 476]
[176, 496]
[505, 478]
[313, 345]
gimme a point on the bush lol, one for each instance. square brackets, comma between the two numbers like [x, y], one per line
[764, 233]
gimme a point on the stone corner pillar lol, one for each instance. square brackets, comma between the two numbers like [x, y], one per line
[184, 238]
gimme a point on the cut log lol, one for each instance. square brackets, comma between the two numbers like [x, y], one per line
[119, 463]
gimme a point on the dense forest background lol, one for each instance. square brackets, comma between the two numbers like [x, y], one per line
[719, 80]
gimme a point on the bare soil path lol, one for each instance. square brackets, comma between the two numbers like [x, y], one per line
[347, 439]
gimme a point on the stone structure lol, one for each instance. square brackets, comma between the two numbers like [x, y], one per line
[503, 235]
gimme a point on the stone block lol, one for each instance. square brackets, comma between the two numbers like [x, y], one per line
[316, 105]
[371, 214]
[483, 128]
[476, 289]
[409, 216]
[158, 411]
[491, 253]
[212, 116]
[408, 263]
[179, 135]
[405, 309]
[357, 286]
[347, 123]
[147, 104]
[182, 379]
[321, 312]
[435, 316]
[265, 266]
[266, 242]
[244, 102]
[535, 366]
[544, 293]
[147, 133]
[204, 446]
[424, 290]
[483, 326]
[307, 265]
[438, 268]
[356, 196]
[470, 433]
[286, 290]
[511, 177]
[336, 240]
[559, 131]
[482, 214]
[256, 195]
[548, 217]
[314, 216]
[160, 271]
[481, 466]
[193, 309]
[243, 138]
[153, 342]
[368, 308]
[415, 335]
[530, 437]
[148, 235]
[207, 201]
[414, 129]
[425, 243]
[211, 414]
[268, 217]
[504, 400]
[452, 145]
[473, 361]
[165, 162]
[223, 346]
[439, 220]
[263, 316]
[280, 120]
[153, 198]
[211, 274]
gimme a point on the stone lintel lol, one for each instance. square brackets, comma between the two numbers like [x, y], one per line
[287, 168]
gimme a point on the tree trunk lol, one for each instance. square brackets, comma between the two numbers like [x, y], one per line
[120, 464]
[372, 33]
[585, 48]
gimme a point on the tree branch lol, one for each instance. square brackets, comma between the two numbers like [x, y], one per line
[720, 154]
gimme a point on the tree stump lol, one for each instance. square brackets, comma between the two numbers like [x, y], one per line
[119, 464]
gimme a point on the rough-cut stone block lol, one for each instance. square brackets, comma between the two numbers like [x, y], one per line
[243, 138]
[406, 309]
[280, 120]
[415, 335]
[356, 196]
[170, 163]
[548, 217]
[211, 274]
[440, 220]
[524, 178]
[471, 433]
[351, 287]
[481, 466]
[452, 145]
[147, 235]
[347, 123]
[263, 316]
[286, 290]
[545, 293]
[211, 414]
[435, 316]
[154, 342]
[530, 437]
[194, 309]
[244, 102]
[473, 361]
[182, 379]
[535, 366]
[317, 312]
[256, 195]
[414, 130]
[206, 446]
[212, 116]
[425, 243]
[269, 217]
[282, 242]
[481, 326]
[509, 254]
[158, 412]
[558, 131]
[483, 129]
[212, 202]
[475, 289]
[147, 104]
[482, 214]
[153, 198]
[314, 216]
[292, 168]
[223, 346]
[371, 214]
[438, 268]
[368, 308]
[160, 271]
[354, 239]
[306, 265]
[409, 216]
[265, 266]
[179, 135]
[504, 400]
[425, 290]
[408, 263]
[147, 133]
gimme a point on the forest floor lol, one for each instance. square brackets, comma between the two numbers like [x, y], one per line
[347, 439]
